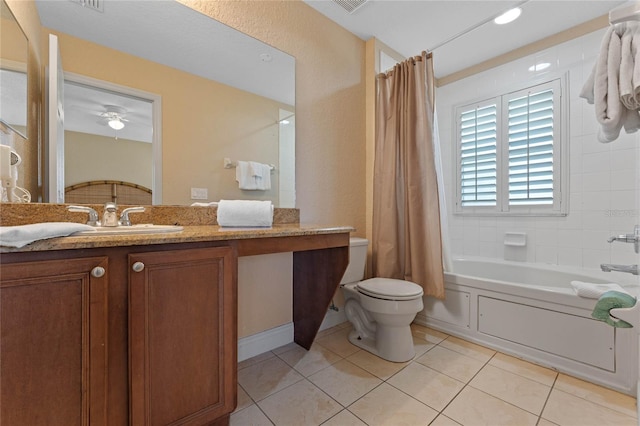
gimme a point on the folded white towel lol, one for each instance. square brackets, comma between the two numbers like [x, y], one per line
[609, 108]
[20, 236]
[245, 213]
[262, 174]
[593, 290]
[255, 169]
[244, 176]
[630, 65]
[211, 204]
[265, 181]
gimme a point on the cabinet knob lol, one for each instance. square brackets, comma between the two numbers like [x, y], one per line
[138, 267]
[98, 272]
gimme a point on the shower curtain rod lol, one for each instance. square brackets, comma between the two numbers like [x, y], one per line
[473, 27]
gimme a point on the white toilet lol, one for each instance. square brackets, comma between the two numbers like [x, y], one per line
[380, 309]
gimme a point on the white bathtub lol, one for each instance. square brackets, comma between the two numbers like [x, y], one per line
[531, 311]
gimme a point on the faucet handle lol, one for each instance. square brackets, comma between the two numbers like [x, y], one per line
[93, 215]
[124, 216]
[629, 238]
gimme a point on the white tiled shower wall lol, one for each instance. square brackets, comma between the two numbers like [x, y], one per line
[604, 178]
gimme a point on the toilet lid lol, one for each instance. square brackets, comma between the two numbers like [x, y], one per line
[389, 289]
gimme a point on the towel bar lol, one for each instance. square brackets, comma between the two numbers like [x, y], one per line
[228, 164]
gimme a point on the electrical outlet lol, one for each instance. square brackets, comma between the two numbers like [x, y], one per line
[199, 194]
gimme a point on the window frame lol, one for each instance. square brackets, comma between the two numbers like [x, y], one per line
[560, 206]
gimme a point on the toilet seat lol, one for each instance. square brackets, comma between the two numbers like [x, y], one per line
[389, 289]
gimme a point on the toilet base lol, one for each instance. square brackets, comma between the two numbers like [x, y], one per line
[393, 344]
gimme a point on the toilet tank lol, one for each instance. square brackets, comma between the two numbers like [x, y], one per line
[357, 260]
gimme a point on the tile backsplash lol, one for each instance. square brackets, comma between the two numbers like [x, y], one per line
[604, 181]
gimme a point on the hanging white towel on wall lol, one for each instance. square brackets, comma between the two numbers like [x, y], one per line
[262, 175]
[244, 176]
[253, 176]
[611, 87]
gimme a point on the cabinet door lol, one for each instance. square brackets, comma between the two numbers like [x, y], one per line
[182, 336]
[53, 346]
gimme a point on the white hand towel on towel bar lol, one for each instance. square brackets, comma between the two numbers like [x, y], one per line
[20, 236]
[241, 213]
[253, 176]
[262, 174]
[244, 176]
[593, 290]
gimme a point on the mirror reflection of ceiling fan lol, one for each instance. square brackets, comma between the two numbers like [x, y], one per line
[113, 116]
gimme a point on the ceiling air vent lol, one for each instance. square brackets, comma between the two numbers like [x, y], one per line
[97, 5]
[350, 5]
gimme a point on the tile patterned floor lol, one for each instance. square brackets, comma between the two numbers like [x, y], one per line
[449, 382]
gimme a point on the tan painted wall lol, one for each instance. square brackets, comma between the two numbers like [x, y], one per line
[27, 16]
[265, 293]
[202, 121]
[92, 157]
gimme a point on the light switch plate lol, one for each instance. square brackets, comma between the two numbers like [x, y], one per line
[199, 194]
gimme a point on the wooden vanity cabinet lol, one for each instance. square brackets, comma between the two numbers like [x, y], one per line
[182, 336]
[53, 342]
[142, 335]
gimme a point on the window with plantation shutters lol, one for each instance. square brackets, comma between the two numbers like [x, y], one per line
[509, 150]
[478, 156]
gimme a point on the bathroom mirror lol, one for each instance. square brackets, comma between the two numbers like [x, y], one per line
[224, 94]
[13, 72]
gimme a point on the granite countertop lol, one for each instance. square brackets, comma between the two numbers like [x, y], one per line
[189, 234]
[199, 225]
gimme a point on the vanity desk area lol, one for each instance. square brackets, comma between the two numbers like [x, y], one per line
[142, 329]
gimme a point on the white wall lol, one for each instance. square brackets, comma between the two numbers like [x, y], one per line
[604, 178]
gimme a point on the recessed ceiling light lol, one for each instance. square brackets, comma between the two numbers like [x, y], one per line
[539, 67]
[509, 16]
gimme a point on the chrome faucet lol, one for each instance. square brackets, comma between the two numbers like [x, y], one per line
[631, 269]
[109, 216]
[629, 238]
[124, 216]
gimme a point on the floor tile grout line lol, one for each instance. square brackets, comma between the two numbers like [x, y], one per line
[553, 385]
[509, 371]
[465, 386]
[253, 402]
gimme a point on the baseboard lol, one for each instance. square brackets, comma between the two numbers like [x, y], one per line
[268, 340]
[333, 318]
[265, 341]
[421, 319]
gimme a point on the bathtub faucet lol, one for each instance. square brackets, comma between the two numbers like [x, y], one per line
[631, 269]
[629, 238]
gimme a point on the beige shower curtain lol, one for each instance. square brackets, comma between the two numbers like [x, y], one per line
[407, 240]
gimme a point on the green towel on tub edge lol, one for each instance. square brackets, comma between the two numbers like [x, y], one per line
[612, 300]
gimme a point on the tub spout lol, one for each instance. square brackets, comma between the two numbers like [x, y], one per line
[631, 269]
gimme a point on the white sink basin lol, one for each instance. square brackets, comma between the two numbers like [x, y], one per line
[133, 229]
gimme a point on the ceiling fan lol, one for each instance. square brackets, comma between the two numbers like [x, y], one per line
[114, 116]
